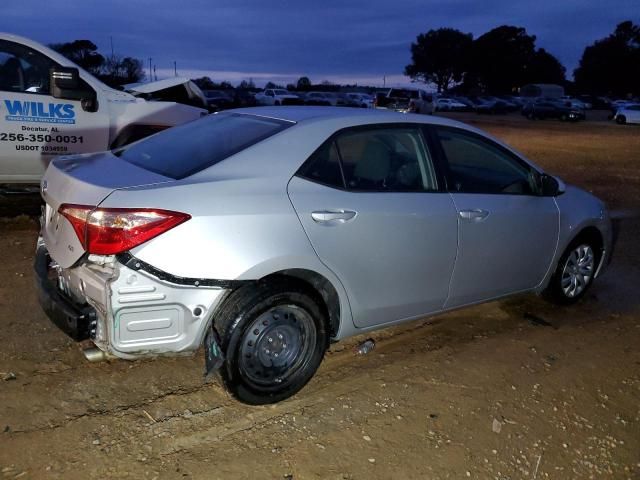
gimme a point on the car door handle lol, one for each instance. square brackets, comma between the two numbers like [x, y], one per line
[332, 217]
[476, 214]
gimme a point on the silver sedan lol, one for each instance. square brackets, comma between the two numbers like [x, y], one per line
[263, 234]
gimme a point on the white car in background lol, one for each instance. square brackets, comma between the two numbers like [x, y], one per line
[629, 113]
[277, 96]
[360, 100]
[449, 105]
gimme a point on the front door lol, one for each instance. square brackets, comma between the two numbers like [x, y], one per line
[507, 232]
[370, 203]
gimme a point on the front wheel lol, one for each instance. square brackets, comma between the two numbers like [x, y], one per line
[574, 274]
[274, 336]
[621, 119]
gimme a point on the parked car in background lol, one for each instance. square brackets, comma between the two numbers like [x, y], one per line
[406, 100]
[277, 97]
[552, 109]
[500, 103]
[490, 106]
[449, 105]
[319, 99]
[264, 234]
[361, 100]
[218, 100]
[576, 103]
[244, 98]
[629, 113]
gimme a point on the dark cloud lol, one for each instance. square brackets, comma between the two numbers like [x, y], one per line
[323, 39]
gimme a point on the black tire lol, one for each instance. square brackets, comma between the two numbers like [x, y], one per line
[257, 313]
[531, 116]
[621, 119]
[556, 291]
[564, 117]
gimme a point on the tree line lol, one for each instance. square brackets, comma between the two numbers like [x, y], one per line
[499, 61]
[114, 70]
[506, 58]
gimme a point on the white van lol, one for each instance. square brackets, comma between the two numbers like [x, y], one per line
[49, 106]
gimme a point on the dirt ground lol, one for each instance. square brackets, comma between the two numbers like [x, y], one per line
[515, 389]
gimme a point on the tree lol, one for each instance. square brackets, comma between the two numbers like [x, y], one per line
[247, 85]
[272, 85]
[120, 71]
[440, 56]
[612, 64]
[501, 58]
[205, 83]
[303, 83]
[545, 68]
[82, 52]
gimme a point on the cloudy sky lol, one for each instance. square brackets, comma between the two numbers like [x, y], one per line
[337, 40]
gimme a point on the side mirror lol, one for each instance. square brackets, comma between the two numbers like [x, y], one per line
[65, 83]
[550, 186]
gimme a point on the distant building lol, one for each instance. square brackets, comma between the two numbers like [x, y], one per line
[547, 90]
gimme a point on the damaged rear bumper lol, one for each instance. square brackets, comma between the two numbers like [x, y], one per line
[73, 319]
[126, 311]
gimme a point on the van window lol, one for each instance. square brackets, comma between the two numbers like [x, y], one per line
[187, 149]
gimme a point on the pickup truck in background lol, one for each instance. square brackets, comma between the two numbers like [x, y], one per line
[406, 100]
[49, 106]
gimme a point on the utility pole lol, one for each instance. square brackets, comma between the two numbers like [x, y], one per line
[175, 68]
[111, 38]
[150, 73]
[154, 73]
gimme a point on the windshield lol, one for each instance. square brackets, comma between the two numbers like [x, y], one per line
[187, 149]
[281, 92]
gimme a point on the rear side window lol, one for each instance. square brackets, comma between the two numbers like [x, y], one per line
[187, 149]
[379, 159]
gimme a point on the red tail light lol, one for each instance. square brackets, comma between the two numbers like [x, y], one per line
[109, 231]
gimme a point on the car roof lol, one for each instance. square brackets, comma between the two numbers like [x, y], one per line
[354, 116]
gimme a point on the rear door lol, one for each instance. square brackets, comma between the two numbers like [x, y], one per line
[369, 201]
[34, 126]
[507, 233]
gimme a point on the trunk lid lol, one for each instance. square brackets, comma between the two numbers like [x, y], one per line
[83, 180]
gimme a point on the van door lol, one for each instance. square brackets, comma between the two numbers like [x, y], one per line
[34, 126]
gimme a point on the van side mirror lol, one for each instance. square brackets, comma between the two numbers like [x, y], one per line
[65, 83]
[550, 186]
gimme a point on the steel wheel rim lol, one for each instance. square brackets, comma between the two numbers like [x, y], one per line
[277, 345]
[578, 271]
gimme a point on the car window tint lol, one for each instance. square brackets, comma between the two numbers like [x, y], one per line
[23, 69]
[324, 166]
[186, 149]
[476, 165]
[393, 160]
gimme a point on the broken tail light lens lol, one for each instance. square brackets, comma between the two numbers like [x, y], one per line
[109, 231]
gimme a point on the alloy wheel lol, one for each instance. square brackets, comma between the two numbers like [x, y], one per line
[578, 271]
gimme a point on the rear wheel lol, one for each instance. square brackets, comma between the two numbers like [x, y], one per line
[274, 336]
[621, 119]
[574, 273]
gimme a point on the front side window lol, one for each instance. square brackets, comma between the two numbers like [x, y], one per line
[477, 165]
[23, 69]
[187, 149]
[381, 159]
